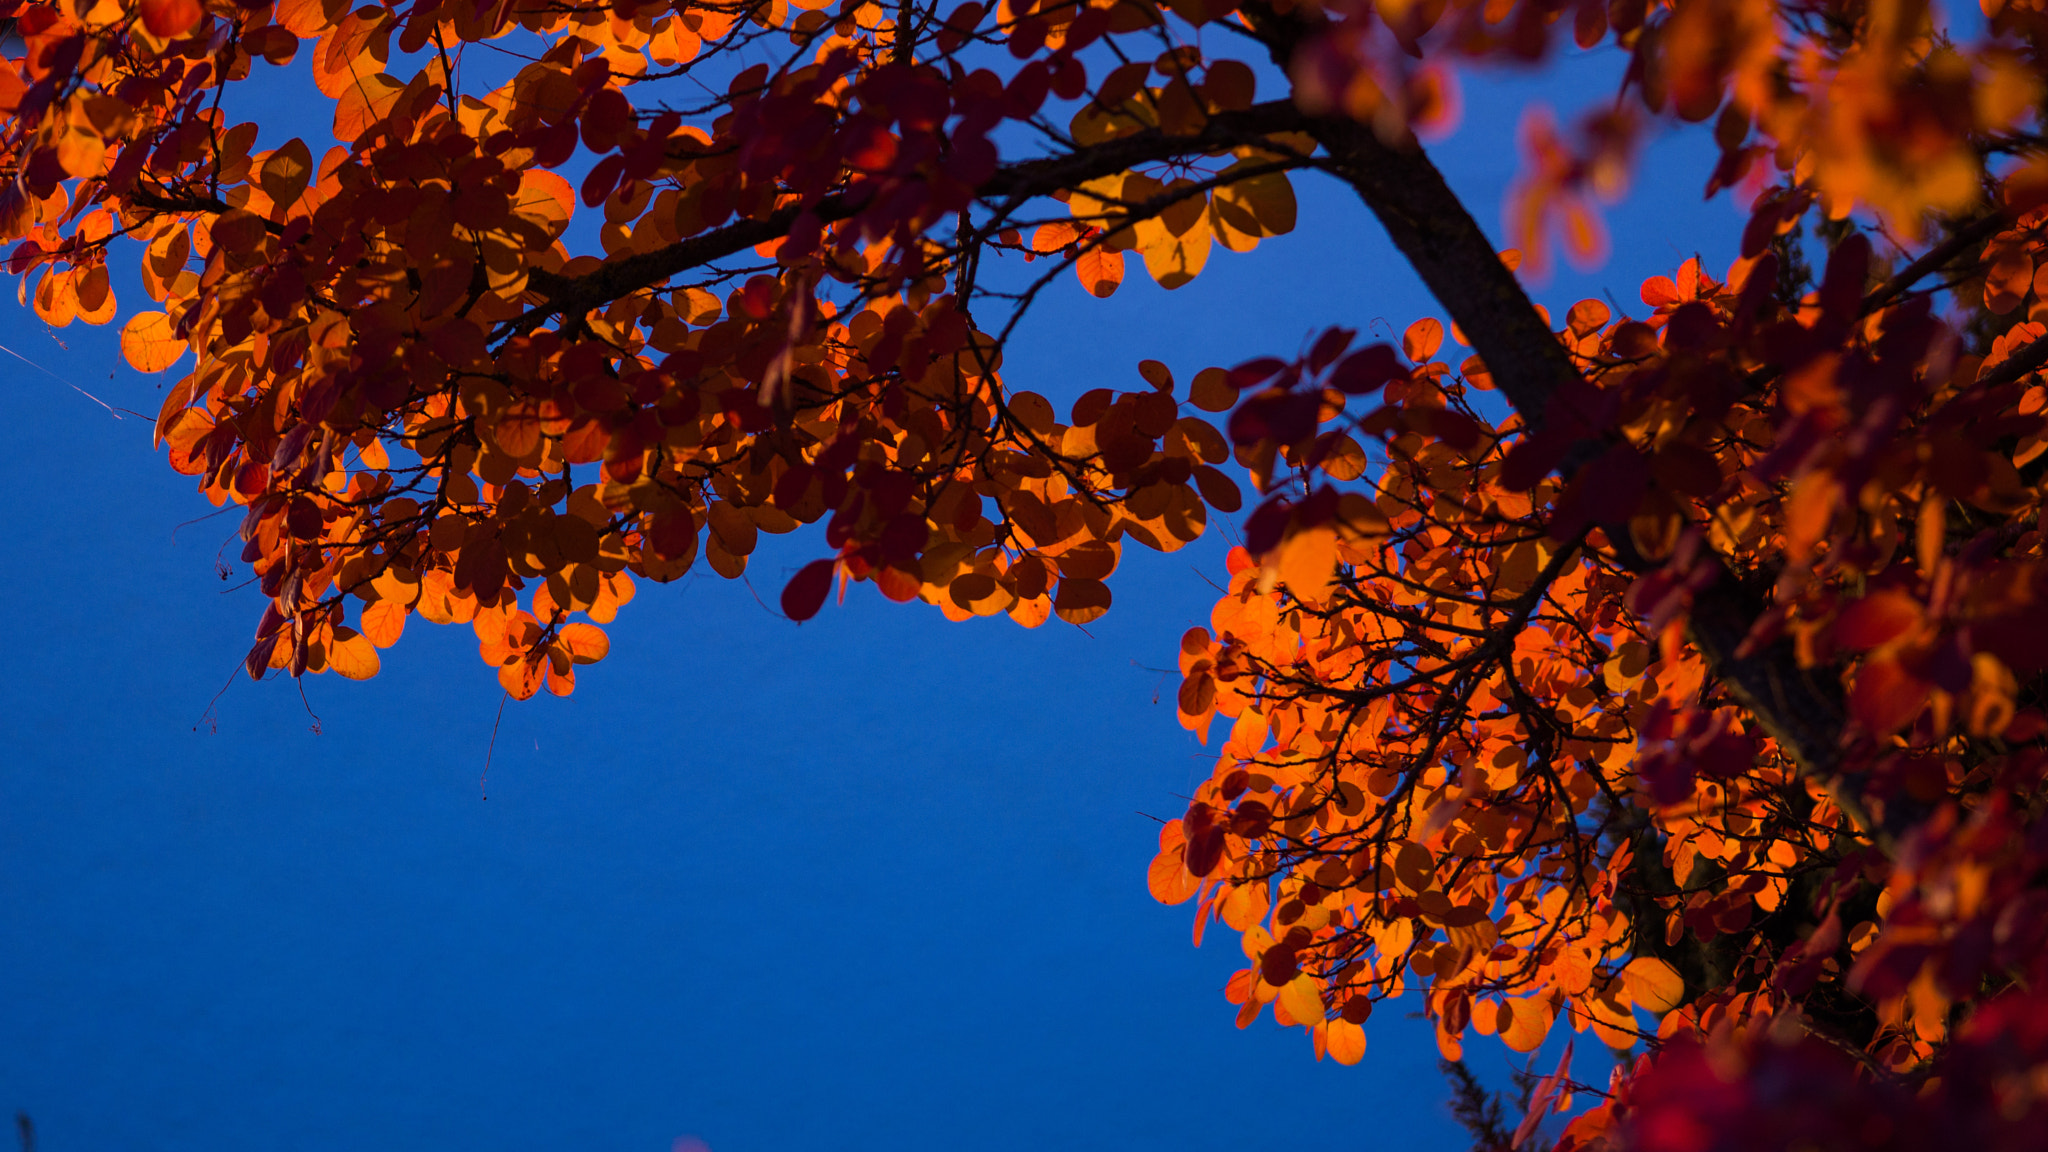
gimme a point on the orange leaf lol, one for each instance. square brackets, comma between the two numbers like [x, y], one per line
[1660, 291]
[1302, 1000]
[351, 654]
[57, 299]
[362, 103]
[95, 296]
[1100, 271]
[1050, 238]
[1168, 877]
[384, 622]
[1307, 562]
[1532, 1021]
[1032, 612]
[286, 173]
[548, 200]
[1653, 984]
[1080, 601]
[1346, 1041]
[587, 643]
[522, 678]
[1812, 505]
[1212, 390]
[1422, 339]
[168, 18]
[149, 344]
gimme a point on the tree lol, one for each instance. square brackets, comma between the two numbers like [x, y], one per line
[1677, 676]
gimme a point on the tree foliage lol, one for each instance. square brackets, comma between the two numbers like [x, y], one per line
[1671, 674]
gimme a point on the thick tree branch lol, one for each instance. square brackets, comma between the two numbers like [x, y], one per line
[623, 276]
[2031, 358]
[1457, 261]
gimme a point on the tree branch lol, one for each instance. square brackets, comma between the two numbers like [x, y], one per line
[1454, 257]
[623, 276]
[1965, 238]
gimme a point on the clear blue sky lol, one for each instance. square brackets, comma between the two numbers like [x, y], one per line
[874, 882]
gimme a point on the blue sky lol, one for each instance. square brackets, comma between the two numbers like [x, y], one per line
[876, 881]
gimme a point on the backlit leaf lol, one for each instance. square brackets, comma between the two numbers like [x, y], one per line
[1100, 271]
[352, 655]
[1653, 984]
[149, 344]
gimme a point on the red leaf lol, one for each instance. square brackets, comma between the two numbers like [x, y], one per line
[1366, 370]
[1205, 849]
[167, 18]
[1253, 373]
[597, 187]
[1542, 1101]
[1841, 288]
[805, 592]
[1278, 965]
[1330, 345]
[1886, 697]
[1876, 618]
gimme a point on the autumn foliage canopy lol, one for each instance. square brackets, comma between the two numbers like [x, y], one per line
[1671, 673]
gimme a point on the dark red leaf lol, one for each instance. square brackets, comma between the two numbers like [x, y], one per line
[805, 592]
[1367, 370]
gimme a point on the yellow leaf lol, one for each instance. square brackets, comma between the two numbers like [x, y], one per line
[1255, 941]
[1179, 259]
[1302, 1001]
[1228, 235]
[1098, 198]
[1253, 208]
[149, 344]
